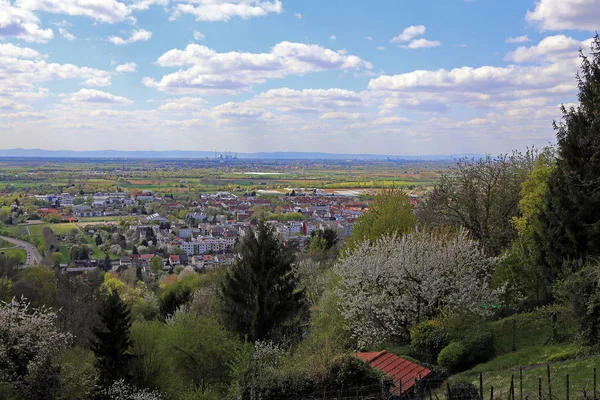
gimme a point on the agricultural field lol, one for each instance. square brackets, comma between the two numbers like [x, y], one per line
[185, 176]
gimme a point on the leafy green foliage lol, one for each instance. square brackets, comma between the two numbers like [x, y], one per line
[569, 232]
[462, 390]
[453, 356]
[427, 339]
[389, 213]
[259, 294]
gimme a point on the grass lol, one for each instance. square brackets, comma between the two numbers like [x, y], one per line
[4, 244]
[19, 254]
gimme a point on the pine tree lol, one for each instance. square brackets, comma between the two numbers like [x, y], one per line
[112, 339]
[259, 294]
[569, 232]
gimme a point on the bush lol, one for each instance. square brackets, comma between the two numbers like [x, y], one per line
[427, 339]
[462, 390]
[562, 356]
[453, 357]
[480, 346]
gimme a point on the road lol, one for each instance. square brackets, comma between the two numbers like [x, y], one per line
[33, 255]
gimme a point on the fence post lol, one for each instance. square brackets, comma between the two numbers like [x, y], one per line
[540, 389]
[491, 392]
[448, 389]
[481, 385]
[520, 383]
[549, 381]
[511, 393]
[567, 386]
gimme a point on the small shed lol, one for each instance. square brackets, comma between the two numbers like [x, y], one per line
[402, 372]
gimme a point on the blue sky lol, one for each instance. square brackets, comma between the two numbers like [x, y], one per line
[384, 76]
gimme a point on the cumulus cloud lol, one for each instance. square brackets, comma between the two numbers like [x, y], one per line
[19, 23]
[224, 10]
[140, 5]
[22, 70]
[228, 73]
[549, 48]
[332, 37]
[96, 97]
[109, 11]
[341, 115]
[552, 15]
[183, 105]
[136, 36]
[199, 36]
[298, 15]
[421, 44]
[127, 67]
[517, 39]
[98, 81]
[409, 33]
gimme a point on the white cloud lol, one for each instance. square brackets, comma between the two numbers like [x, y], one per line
[421, 44]
[552, 15]
[518, 39]
[199, 36]
[380, 48]
[409, 33]
[224, 10]
[23, 70]
[109, 11]
[96, 97]
[19, 23]
[549, 48]
[140, 5]
[183, 105]
[227, 73]
[332, 37]
[98, 81]
[127, 67]
[136, 36]
[66, 34]
[341, 115]
[298, 15]
[369, 38]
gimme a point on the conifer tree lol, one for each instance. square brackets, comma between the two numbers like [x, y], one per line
[112, 339]
[260, 294]
[569, 231]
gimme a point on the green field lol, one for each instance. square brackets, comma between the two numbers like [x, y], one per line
[19, 254]
[5, 245]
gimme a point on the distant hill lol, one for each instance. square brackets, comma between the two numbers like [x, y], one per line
[183, 154]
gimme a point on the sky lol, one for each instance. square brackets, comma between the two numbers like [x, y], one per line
[396, 77]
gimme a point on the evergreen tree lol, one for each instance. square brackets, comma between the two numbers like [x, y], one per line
[569, 229]
[112, 339]
[260, 294]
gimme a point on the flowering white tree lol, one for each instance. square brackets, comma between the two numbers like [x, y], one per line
[399, 281]
[29, 346]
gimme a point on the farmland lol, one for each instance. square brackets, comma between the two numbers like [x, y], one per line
[184, 176]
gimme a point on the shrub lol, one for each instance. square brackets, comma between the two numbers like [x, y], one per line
[427, 339]
[562, 356]
[453, 357]
[480, 345]
[462, 390]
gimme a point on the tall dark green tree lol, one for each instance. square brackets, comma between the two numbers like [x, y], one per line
[569, 231]
[112, 342]
[259, 295]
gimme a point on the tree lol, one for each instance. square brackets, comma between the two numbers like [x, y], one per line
[30, 345]
[259, 294]
[400, 281]
[569, 232]
[112, 339]
[390, 213]
[481, 196]
[157, 264]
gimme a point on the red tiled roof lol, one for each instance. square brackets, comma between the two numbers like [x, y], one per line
[401, 371]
